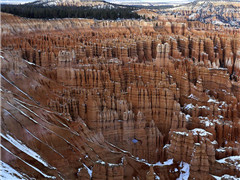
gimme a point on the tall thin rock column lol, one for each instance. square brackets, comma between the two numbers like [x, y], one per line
[162, 55]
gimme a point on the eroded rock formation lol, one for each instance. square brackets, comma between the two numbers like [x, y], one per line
[120, 99]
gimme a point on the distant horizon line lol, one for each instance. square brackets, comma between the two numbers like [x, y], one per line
[111, 1]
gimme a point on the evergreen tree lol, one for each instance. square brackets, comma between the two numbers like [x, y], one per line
[48, 12]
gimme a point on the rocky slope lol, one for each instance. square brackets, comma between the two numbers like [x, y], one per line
[122, 99]
[150, 3]
[212, 11]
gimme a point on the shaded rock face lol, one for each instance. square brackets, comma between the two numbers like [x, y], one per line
[120, 100]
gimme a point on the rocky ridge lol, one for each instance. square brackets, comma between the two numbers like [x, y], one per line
[213, 11]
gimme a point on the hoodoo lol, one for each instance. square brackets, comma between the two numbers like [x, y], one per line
[153, 98]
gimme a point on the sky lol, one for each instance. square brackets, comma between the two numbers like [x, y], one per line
[24, 1]
[15, 1]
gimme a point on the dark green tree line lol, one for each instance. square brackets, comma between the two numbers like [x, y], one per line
[49, 12]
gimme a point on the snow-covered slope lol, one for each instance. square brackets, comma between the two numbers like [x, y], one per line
[118, 2]
[149, 2]
[218, 12]
[70, 3]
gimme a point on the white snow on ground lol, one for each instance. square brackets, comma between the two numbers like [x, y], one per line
[109, 164]
[184, 172]
[21, 103]
[89, 170]
[213, 101]
[192, 96]
[205, 121]
[168, 162]
[18, 144]
[218, 22]
[181, 133]
[166, 146]
[225, 176]
[223, 149]
[214, 142]
[232, 161]
[8, 173]
[36, 169]
[29, 62]
[220, 116]
[16, 87]
[217, 121]
[201, 132]
[101, 162]
[23, 113]
[187, 117]
[192, 16]
[41, 125]
[79, 170]
[203, 107]
[189, 106]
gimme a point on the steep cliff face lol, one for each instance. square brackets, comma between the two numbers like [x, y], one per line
[120, 99]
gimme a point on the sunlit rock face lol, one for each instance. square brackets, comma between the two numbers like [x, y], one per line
[86, 99]
[216, 12]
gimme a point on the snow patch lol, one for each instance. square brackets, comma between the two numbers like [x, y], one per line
[8, 173]
[192, 97]
[213, 101]
[232, 161]
[166, 146]
[201, 132]
[205, 121]
[88, 169]
[184, 172]
[18, 144]
[187, 117]
[214, 142]
[189, 106]
[36, 169]
[166, 163]
[225, 176]
[193, 16]
[181, 133]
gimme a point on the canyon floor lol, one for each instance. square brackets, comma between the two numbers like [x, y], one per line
[125, 99]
